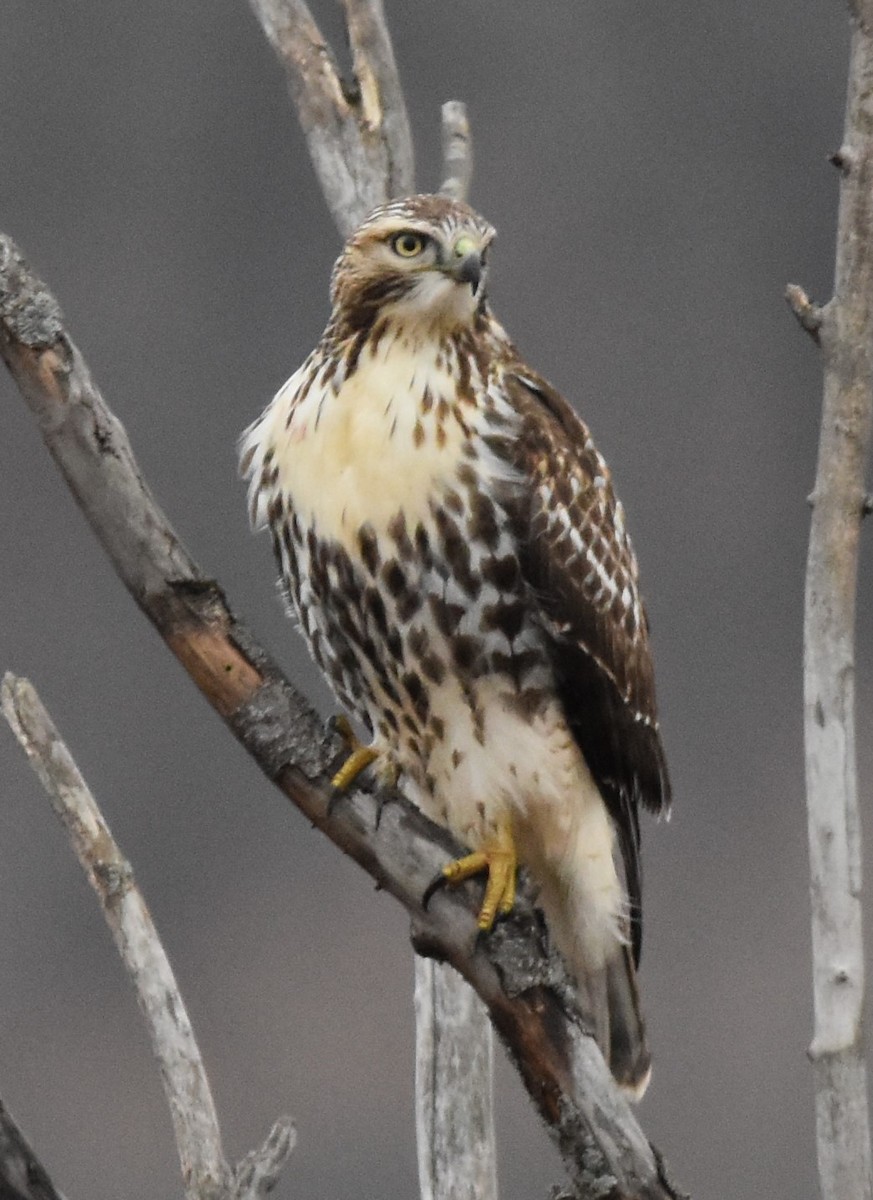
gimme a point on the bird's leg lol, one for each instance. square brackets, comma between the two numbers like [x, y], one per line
[497, 857]
[359, 758]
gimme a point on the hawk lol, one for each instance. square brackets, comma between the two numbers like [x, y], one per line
[458, 563]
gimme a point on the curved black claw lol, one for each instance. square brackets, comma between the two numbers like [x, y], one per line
[381, 802]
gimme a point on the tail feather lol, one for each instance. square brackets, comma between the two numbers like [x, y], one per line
[628, 1057]
[590, 917]
[609, 1001]
[607, 994]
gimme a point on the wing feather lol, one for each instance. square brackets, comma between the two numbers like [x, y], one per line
[580, 565]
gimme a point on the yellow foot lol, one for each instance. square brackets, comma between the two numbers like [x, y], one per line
[357, 761]
[499, 859]
[360, 757]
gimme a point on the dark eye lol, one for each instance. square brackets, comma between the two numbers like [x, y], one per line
[408, 245]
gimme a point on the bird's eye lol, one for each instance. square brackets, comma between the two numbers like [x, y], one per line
[408, 245]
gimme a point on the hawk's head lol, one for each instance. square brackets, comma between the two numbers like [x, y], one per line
[421, 260]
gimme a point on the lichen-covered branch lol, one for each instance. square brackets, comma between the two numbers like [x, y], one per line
[606, 1153]
[357, 129]
[205, 1172]
[844, 330]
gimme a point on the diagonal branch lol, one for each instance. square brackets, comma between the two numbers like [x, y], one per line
[195, 1121]
[602, 1144]
[357, 130]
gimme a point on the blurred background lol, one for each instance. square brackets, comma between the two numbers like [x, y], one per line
[657, 173]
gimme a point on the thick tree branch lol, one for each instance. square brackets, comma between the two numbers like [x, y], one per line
[844, 330]
[358, 130]
[602, 1144]
[205, 1172]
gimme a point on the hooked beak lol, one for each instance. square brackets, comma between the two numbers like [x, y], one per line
[466, 264]
[468, 270]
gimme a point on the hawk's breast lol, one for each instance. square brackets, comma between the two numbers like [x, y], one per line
[355, 451]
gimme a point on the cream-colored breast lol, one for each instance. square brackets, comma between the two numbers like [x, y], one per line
[384, 439]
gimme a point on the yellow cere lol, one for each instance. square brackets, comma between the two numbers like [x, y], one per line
[464, 245]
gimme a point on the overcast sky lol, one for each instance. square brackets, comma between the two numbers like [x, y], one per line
[657, 172]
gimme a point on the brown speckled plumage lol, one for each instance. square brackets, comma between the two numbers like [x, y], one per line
[457, 560]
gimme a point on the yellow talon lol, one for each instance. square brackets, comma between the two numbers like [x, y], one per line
[357, 761]
[360, 757]
[500, 860]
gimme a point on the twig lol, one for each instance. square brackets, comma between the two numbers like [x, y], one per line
[457, 150]
[511, 972]
[454, 1069]
[195, 1121]
[258, 1173]
[844, 329]
[22, 1175]
[357, 131]
[808, 314]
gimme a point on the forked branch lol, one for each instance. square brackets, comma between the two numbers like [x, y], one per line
[205, 1172]
[357, 129]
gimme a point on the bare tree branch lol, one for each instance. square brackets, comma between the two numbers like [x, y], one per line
[454, 1069]
[357, 131]
[602, 1144]
[22, 1175]
[844, 330]
[457, 150]
[205, 1172]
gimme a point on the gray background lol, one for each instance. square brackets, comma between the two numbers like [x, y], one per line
[657, 172]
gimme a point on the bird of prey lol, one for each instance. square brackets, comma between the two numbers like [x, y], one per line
[458, 563]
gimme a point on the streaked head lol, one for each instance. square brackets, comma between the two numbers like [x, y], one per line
[423, 260]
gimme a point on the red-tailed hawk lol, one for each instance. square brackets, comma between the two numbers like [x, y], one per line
[458, 563]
